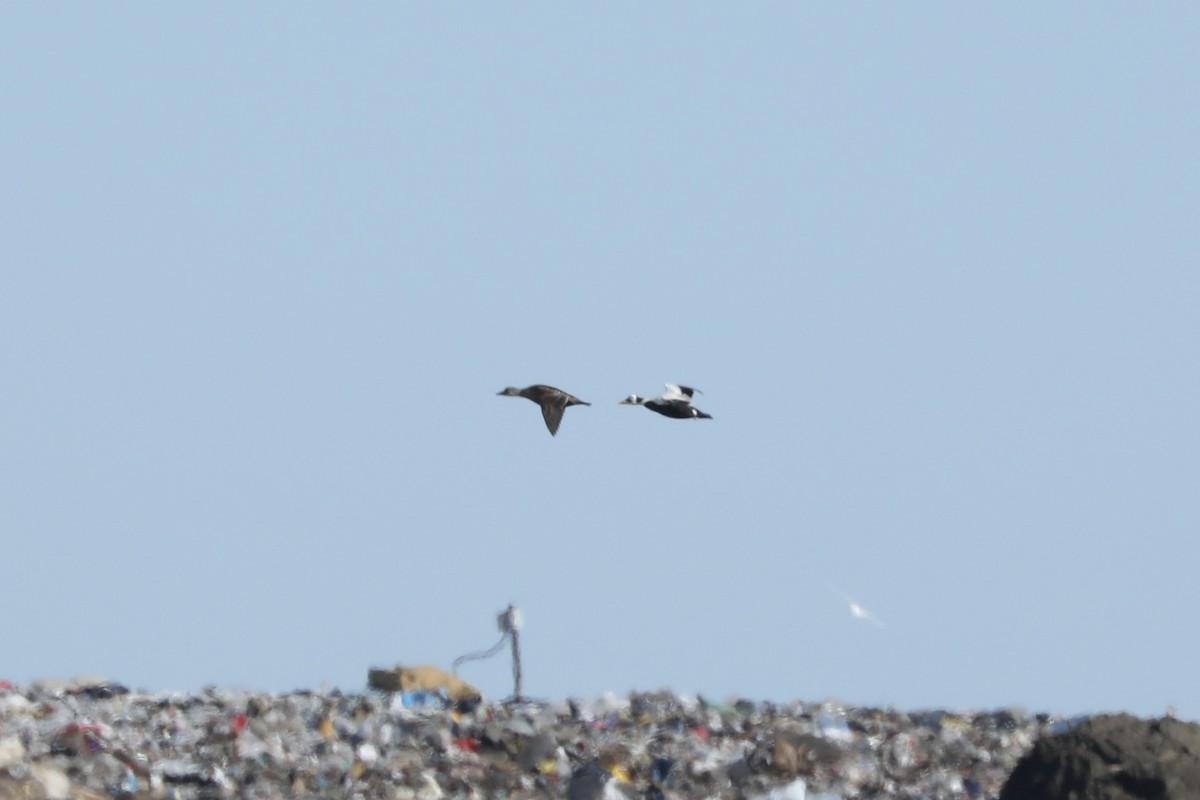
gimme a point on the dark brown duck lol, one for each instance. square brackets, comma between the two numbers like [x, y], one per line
[553, 402]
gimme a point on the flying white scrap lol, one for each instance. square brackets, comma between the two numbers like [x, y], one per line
[857, 610]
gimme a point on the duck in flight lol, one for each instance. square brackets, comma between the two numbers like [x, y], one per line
[553, 402]
[675, 402]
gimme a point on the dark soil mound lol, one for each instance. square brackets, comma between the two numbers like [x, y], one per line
[1111, 757]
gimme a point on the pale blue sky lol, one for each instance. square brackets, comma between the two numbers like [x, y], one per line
[934, 266]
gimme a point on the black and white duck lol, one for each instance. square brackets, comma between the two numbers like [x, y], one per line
[553, 402]
[675, 402]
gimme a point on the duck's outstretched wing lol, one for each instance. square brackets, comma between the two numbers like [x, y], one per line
[677, 392]
[552, 412]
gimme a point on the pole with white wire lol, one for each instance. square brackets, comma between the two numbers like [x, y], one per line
[510, 622]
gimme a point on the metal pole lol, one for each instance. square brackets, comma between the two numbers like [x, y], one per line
[516, 651]
[511, 622]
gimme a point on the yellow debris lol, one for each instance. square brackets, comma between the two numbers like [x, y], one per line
[619, 773]
[421, 678]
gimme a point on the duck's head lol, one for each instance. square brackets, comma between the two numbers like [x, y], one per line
[698, 414]
[510, 391]
[632, 400]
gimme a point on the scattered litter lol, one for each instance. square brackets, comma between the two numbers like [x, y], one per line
[796, 790]
[412, 741]
[423, 686]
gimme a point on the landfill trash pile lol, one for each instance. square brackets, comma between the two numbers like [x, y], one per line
[92, 739]
[1111, 757]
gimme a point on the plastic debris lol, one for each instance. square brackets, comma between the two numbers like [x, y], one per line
[422, 678]
[60, 740]
[796, 790]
